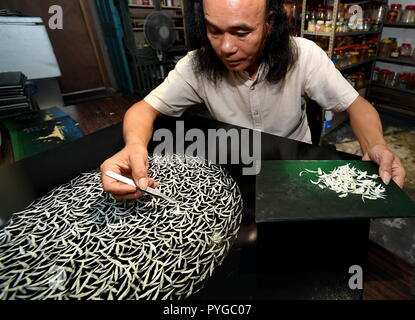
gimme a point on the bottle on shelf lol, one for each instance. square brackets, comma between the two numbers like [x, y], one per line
[319, 26]
[385, 48]
[406, 50]
[408, 15]
[395, 52]
[394, 13]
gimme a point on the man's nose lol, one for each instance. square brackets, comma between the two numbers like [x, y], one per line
[228, 46]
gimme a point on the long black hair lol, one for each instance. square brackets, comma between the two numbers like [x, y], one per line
[279, 52]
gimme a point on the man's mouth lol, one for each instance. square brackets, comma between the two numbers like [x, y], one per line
[233, 62]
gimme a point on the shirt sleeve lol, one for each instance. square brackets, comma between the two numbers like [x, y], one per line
[178, 91]
[324, 83]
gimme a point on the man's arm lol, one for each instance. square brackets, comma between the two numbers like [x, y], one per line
[367, 127]
[132, 160]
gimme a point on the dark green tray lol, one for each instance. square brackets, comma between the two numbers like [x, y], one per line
[281, 194]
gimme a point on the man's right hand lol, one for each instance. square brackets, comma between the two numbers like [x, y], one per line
[132, 162]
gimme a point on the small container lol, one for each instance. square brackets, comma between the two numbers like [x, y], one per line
[347, 59]
[406, 50]
[339, 26]
[383, 75]
[394, 41]
[320, 26]
[413, 54]
[355, 57]
[394, 13]
[404, 81]
[321, 14]
[371, 53]
[393, 79]
[354, 78]
[329, 13]
[360, 83]
[367, 24]
[408, 15]
[385, 48]
[364, 52]
[345, 26]
[395, 52]
[328, 26]
[375, 77]
[311, 25]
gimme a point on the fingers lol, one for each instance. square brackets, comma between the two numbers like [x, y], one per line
[111, 185]
[139, 165]
[130, 196]
[385, 166]
[398, 172]
[366, 157]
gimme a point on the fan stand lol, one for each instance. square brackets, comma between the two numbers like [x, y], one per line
[160, 57]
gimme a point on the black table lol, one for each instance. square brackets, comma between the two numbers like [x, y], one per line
[275, 260]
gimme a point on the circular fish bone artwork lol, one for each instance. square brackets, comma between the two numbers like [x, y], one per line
[77, 242]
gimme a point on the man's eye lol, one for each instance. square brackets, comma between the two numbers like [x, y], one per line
[214, 32]
[242, 34]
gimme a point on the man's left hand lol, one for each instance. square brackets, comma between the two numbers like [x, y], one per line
[390, 166]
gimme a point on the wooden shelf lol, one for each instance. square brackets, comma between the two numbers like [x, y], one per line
[350, 66]
[354, 33]
[402, 61]
[314, 33]
[340, 34]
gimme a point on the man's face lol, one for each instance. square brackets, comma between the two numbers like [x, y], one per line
[236, 30]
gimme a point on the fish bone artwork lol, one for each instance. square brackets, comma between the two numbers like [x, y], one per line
[77, 242]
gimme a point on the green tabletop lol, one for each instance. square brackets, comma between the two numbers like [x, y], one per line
[282, 194]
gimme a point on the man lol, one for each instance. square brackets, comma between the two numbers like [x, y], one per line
[249, 72]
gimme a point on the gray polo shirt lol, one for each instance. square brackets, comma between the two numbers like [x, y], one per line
[255, 103]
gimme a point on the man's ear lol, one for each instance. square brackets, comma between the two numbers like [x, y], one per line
[269, 21]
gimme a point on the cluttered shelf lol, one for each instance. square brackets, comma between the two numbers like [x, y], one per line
[350, 33]
[354, 65]
[402, 61]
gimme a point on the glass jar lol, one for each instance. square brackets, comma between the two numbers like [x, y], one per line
[347, 59]
[306, 19]
[385, 48]
[375, 77]
[311, 25]
[345, 26]
[339, 27]
[321, 14]
[371, 53]
[355, 57]
[394, 13]
[382, 76]
[394, 41]
[406, 50]
[354, 79]
[360, 83]
[320, 26]
[329, 13]
[393, 79]
[408, 15]
[395, 52]
[364, 52]
[413, 54]
[367, 24]
[404, 81]
[328, 26]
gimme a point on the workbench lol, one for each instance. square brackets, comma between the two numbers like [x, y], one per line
[289, 259]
